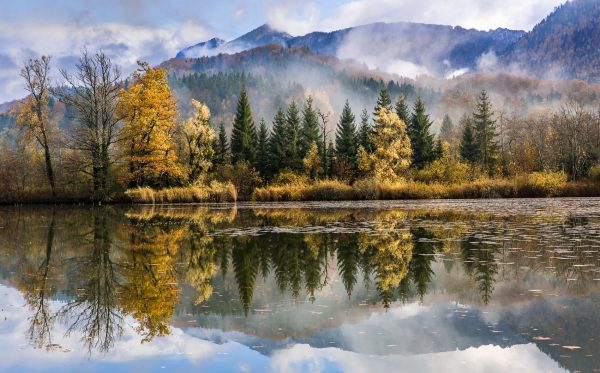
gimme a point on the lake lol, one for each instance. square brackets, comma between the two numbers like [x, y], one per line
[417, 286]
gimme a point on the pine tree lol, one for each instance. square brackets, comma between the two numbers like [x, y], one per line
[402, 109]
[365, 131]
[292, 120]
[278, 143]
[485, 133]
[420, 137]
[310, 127]
[243, 135]
[468, 147]
[383, 101]
[221, 147]
[330, 167]
[262, 150]
[345, 137]
[447, 128]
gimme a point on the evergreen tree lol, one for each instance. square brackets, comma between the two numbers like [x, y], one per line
[221, 147]
[345, 137]
[310, 127]
[383, 101]
[468, 147]
[278, 143]
[292, 119]
[485, 133]
[365, 130]
[420, 137]
[438, 149]
[402, 109]
[330, 166]
[447, 128]
[262, 150]
[243, 135]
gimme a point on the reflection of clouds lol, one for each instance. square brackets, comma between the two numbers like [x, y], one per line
[519, 358]
[178, 349]
[182, 351]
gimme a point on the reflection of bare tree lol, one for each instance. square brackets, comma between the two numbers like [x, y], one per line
[37, 296]
[94, 310]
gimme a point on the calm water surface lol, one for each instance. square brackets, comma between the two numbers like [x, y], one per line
[453, 286]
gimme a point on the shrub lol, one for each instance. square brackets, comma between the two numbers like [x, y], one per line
[215, 192]
[546, 184]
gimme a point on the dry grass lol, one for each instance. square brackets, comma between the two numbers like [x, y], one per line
[532, 185]
[215, 192]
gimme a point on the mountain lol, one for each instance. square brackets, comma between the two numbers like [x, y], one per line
[432, 49]
[259, 37]
[566, 44]
[201, 49]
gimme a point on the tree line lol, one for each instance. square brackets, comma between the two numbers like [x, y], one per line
[131, 133]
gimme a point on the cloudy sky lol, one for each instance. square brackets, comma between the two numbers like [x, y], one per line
[155, 30]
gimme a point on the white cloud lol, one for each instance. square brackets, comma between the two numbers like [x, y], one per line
[294, 17]
[483, 15]
[125, 44]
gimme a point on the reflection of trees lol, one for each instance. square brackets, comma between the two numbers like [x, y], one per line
[151, 291]
[425, 246]
[202, 262]
[245, 258]
[479, 262]
[94, 310]
[37, 295]
[390, 252]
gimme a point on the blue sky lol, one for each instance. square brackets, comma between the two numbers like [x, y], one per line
[155, 30]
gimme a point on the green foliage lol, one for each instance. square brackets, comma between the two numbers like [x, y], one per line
[278, 143]
[292, 121]
[345, 137]
[262, 151]
[221, 147]
[384, 101]
[402, 109]
[364, 132]
[420, 137]
[243, 135]
[485, 133]
[310, 127]
[468, 146]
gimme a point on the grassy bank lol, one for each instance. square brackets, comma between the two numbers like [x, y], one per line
[528, 186]
[215, 192]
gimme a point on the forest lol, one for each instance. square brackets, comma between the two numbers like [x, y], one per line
[100, 138]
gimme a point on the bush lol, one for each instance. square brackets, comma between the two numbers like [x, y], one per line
[546, 184]
[444, 171]
[594, 174]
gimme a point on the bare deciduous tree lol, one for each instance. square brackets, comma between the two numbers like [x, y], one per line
[93, 93]
[33, 112]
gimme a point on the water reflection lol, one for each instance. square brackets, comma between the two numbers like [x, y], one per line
[273, 274]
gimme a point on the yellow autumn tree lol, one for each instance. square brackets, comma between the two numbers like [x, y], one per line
[148, 109]
[312, 162]
[198, 137]
[392, 149]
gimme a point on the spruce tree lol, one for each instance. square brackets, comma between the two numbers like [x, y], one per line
[243, 135]
[402, 109]
[221, 146]
[331, 159]
[420, 137]
[447, 128]
[292, 120]
[365, 131]
[345, 137]
[485, 133]
[262, 151]
[310, 127]
[278, 143]
[383, 101]
[468, 146]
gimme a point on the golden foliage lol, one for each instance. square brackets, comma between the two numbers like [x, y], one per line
[148, 109]
[392, 154]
